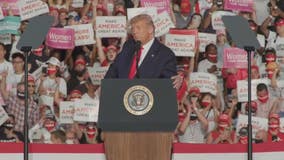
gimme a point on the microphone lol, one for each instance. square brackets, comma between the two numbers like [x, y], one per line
[137, 47]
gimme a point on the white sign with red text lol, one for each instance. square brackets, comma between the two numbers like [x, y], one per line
[66, 112]
[86, 110]
[84, 34]
[111, 26]
[97, 74]
[257, 123]
[181, 45]
[205, 39]
[216, 19]
[206, 82]
[163, 23]
[31, 8]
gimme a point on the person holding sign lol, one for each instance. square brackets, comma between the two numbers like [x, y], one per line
[155, 59]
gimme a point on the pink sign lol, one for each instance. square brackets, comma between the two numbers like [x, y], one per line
[62, 38]
[10, 4]
[235, 58]
[161, 5]
[239, 5]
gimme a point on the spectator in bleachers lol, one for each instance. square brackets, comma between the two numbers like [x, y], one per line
[243, 136]
[224, 134]
[8, 133]
[274, 134]
[51, 82]
[79, 74]
[58, 137]
[194, 127]
[14, 78]
[265, 103]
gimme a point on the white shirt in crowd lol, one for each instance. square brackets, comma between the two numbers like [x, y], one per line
[204, 65]
[194, 133]
[5, 66]
[12, 81]
[50, 85]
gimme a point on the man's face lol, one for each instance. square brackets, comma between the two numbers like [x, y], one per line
[2, 52]
[142, 31]
[18, 64]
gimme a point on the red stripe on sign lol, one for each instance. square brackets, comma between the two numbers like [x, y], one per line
[65, 148]
[226, 148]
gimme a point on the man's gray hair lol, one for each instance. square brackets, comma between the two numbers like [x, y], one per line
[145, 17]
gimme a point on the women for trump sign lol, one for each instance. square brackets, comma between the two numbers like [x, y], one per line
[235, 58]
[239, 5]
[62, 38]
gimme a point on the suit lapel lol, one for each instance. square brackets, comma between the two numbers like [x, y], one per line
[152, 53]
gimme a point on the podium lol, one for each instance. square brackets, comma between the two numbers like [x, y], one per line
[138, 118]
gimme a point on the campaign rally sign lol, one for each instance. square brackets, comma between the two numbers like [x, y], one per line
[206, 82]
[86, 110]
[257, 123]
[111, 26]
[1, 14]
[66, 111]
[3, 115]
[62, 38]
[132, 12]
[7, 5]
[235, 58]
[193, 32]
[205, 39]
[163, 23]
[282, 125]
[10, 24]
[242, 89]
[77, 3]
[97, 74]
[84, 34]
[161, 5]
[6, 38]
[216, 19]
[32, 8]
[181, 45]
[239, 5]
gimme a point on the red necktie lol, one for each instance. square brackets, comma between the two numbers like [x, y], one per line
[135, 60]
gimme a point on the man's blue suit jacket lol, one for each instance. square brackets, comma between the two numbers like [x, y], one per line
[160, 62]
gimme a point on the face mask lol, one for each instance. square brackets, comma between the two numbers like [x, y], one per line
[21, 95]
[205, 104]
[49, 125]
[258, 141]
[263, 99]
[244, 139]
[51, 71]
[9, 126]
[91, 132]
[212, 57]
[270, 58]
[69, 141]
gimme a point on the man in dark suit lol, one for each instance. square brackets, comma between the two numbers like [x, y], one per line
[155, 60]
